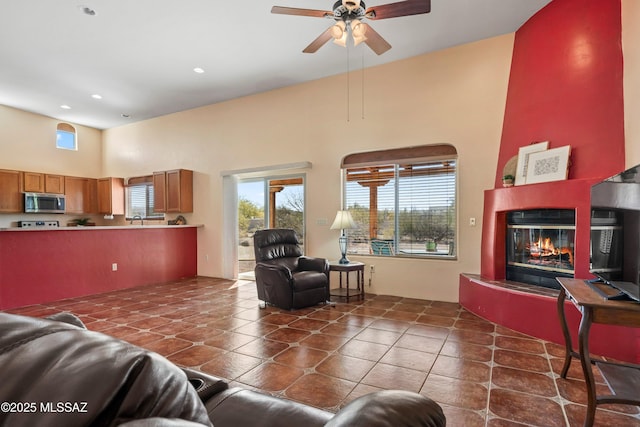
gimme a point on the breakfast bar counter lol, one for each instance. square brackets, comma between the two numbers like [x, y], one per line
[39, 265]
[97, 227]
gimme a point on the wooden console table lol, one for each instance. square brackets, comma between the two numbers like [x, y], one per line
[622, 379]
[343, 292]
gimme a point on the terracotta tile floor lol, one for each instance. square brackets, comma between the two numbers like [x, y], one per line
[481, 373]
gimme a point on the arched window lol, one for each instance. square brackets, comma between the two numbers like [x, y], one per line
[403, 201]
[66, 137]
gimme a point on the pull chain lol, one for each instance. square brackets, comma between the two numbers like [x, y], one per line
[348, 85]
[362, 82]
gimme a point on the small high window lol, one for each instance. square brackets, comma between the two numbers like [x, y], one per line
[66, 137]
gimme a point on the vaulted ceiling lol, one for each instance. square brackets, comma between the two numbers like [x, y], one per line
[139, 56]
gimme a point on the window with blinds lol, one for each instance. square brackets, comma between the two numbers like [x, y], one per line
[139, 198]
[403, 207]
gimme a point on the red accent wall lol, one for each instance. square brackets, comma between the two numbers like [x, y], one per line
[566, 87]
[43, 266]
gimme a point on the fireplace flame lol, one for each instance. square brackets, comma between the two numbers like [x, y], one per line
[545, 248]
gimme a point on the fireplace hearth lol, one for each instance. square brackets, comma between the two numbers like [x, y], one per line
[540, 246]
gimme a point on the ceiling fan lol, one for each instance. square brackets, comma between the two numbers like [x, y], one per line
[349, 15]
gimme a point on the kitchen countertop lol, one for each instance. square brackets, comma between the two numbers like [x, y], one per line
[99, 227]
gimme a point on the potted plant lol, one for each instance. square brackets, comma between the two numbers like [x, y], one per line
[507, 180]
[81, 222]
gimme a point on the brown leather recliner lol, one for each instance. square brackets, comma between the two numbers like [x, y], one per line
[284, 277]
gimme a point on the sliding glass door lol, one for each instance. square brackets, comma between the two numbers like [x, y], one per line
[267, 202]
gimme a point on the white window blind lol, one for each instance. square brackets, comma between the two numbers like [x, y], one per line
[140, 201]
[406, 208]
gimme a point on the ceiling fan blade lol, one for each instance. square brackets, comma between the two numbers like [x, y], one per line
[375, 41]
[401, 8]
[300, 12]
[319, 42]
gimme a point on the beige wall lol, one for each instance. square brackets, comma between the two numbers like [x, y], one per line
[28, 143]
[631, 49]
[454, 96]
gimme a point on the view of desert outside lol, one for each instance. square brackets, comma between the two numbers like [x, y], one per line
[289, 213]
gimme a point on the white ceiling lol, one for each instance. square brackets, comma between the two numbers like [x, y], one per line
[139, 55]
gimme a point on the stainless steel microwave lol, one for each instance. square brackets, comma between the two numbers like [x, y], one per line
[44, 203]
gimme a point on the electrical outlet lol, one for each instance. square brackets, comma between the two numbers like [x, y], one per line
[472, 222]
[114, 266]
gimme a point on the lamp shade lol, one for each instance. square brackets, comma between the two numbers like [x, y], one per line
[339, 33]
[343, 221]
[358, 31]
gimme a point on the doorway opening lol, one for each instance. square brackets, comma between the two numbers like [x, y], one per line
[267, 202]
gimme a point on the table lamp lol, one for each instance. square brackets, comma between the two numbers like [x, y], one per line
[343, 222]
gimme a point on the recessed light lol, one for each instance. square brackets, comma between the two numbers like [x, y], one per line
[198, 70]
[87, 10]
[96, 96]
[65, 107]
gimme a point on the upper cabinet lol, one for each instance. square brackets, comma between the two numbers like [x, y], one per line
[159, 191]
[173, 191]
[11, 198]
[35, 182]
[54, 184]
[81, 195]
[111, 196]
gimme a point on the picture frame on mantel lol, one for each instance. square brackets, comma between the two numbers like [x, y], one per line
[548, 165]
[523, 160]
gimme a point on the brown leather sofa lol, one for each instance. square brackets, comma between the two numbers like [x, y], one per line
[55, 373]
[284, 277]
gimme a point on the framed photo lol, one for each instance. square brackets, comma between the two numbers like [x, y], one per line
[549, 165]
[523, 160]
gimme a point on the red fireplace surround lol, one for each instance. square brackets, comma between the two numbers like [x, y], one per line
[532, 314]
[571, 194]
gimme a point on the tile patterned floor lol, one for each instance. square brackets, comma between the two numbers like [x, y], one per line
[481, 373]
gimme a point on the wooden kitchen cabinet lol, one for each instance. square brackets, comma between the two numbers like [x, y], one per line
[35, 182]
[11, 198]
[81, 195]
[111, 196]
[180, 191]
[173, 191]
[53, 184]
[159, 191]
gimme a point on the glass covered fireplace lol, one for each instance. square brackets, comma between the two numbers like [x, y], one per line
[540, 246]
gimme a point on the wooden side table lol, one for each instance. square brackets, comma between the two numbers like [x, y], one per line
[623, 379]
[344, 292]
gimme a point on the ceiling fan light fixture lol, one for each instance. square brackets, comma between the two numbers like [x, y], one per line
[338, 30]
[358, 30]
[342, 41]
[351, 4]
[339, 33]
